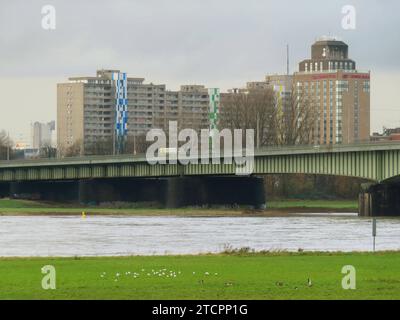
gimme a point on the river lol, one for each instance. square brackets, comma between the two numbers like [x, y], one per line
[121, 235]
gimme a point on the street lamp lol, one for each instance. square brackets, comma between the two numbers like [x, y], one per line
[8, 146]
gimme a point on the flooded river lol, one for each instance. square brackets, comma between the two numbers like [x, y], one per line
[115, 235]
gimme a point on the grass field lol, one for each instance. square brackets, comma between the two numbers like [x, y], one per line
[311, 204]
[246, 276]
[14, 207]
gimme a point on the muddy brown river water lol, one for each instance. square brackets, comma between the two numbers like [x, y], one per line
[116, 235]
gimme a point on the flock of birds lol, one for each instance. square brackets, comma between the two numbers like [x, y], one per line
[150, 273]
[173, 274]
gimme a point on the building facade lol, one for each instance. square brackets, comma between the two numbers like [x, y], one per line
[189, 107]
[331, 85]
[42, 134]
[112, 107]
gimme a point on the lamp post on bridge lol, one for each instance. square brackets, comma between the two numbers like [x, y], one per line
[8, 146]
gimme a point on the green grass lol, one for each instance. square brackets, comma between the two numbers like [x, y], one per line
[15, 207]
[25, 207]
[248, 276]
[20, 204]
[321, 204]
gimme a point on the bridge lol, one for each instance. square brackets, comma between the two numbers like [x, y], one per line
[379, 163]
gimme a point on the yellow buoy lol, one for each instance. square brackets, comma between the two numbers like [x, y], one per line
[83, 214]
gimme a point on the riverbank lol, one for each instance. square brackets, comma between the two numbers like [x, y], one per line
[223, 276]
[274, 208]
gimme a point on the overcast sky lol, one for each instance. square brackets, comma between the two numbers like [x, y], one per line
[218, 43]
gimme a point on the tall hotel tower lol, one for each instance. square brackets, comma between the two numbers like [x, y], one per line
[340, 94]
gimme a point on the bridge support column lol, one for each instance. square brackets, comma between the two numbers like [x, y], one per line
[260, 201]
[183, 191]
[380, 200]
[174, 193]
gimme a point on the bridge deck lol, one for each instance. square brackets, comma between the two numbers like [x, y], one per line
[373, 161]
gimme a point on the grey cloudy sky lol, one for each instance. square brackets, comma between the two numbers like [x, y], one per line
[219, 43]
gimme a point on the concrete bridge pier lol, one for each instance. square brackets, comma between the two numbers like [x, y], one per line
[184, 191]
[380, 200]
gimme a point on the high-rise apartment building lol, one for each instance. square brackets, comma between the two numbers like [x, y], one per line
[113, 106]
[42, 134]
[189, 107]
[330, 83]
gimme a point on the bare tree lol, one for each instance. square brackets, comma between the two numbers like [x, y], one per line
[48, 151]
[72, 151]
[298, 120]
[252, 109]
[277, 121]
[5, 146]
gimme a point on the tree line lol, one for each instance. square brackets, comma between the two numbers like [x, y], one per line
[277, 120]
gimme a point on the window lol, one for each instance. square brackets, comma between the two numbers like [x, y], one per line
[366, 86]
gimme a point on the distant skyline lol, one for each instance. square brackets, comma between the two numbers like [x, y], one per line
[219, 43]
